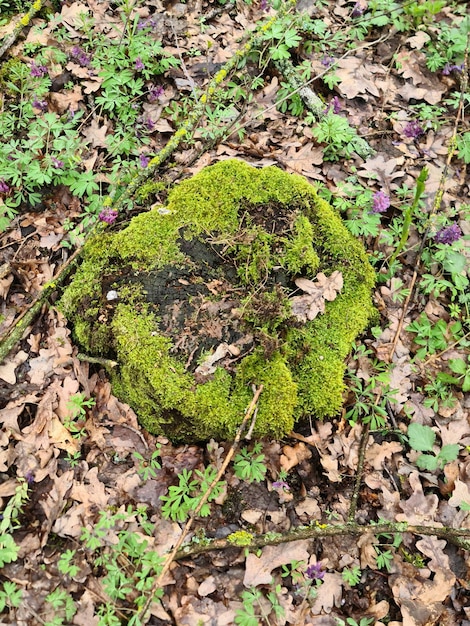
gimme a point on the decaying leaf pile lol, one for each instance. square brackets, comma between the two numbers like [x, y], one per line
[71, 480]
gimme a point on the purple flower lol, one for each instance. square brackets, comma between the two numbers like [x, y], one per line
[336, 104]
[448, 68]
[38, 70]
[4, 188]
[264, 5]
[380, 202]
[449, 234]
[108, 215]
[29, 477]
[281, 484]
[39, 104]
[138, 64]
[155, 93]
[81, 56]
[413, 130]
[315, 572]
[59, 165]
[144, 160]
[358, 10]
[327, 61]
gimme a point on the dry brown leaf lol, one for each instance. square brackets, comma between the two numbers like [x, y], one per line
[460, 494]
[307, 307]
[358, 77]
[329, 593]
[378, 452]
[62, 102]
[292, 456]
[258, 569]
[418, 509]
[95, 134]
[7, 371]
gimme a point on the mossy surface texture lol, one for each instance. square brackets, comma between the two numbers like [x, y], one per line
[193, 300]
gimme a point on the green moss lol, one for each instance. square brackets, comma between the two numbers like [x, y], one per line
[261, 228]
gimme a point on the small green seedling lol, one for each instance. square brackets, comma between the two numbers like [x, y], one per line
[422, 438]
[147, 468]
[185, 497]
[462, 369]
[250, 466]
[365, 621]
[352, 576]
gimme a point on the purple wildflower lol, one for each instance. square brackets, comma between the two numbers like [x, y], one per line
[38, 71]
[327, 61]
[448, 68]
[336, 104]
[315, 572]
[59, 165]
[448, 234]
[139, 65]
[413, 130]
[29, 476]
[380, 202]
[144, 160]
[39, 104]
[358, 10]
[281, 484]
[264, 5]
[108, 215]
[81, 56]
[4, 188]
[155, 93]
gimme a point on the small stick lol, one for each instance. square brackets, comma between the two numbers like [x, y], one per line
[223, 467]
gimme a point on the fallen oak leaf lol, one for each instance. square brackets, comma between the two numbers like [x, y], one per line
[307, 307]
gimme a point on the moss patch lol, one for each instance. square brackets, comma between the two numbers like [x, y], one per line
[193, 301]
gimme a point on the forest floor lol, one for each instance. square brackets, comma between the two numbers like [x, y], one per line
[83, 527]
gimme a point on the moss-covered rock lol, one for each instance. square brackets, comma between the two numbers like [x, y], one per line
[194, 300]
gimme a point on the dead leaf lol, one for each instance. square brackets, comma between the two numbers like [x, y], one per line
[329, 593]
[306, 308]
[292, 456]
[95, 134]
[258, 569]
[7, 371]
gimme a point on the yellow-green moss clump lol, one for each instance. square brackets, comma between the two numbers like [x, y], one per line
[213, 271]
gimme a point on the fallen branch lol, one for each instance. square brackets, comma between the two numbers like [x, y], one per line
[171, 557]
[23, 22]
[460, 536]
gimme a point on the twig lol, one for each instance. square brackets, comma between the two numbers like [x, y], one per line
[316, 531]
[360, 470]
[15, 333]
[171, 557]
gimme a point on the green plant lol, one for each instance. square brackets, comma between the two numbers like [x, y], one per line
[422, 439]
[339, 137]
[147, 468]
[63, 606]
[185, 497]
[9, 522]
[74, 459]
[433, 337]
[365, 621]
[370, 398]
[253, 610]
[462, 369]
[438, 393]
[66, 565]
[77, 406]
[10, 596]
[249, 465]
[352, 576]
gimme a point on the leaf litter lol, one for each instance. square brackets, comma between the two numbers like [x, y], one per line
[43, 373]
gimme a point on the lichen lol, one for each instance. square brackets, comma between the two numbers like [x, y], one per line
[261, 229]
